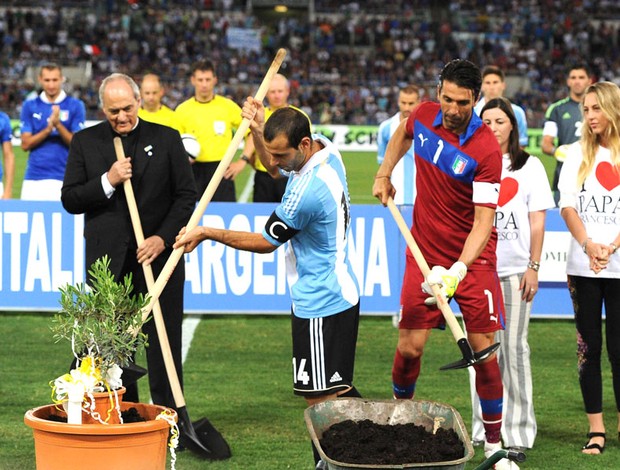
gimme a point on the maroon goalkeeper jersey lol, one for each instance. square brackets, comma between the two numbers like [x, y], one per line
[454, 174]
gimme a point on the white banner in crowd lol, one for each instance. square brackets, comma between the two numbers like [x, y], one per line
[42, 248]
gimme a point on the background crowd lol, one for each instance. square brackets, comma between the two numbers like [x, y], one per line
[346, 59]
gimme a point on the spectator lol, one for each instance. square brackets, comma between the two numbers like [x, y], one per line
[48, 123]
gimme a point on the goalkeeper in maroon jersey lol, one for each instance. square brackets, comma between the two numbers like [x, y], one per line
[459, 164]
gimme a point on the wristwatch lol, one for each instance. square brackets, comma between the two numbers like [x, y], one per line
[245, 158]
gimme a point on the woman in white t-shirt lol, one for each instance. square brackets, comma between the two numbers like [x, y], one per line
[589, 202]
[524, 197]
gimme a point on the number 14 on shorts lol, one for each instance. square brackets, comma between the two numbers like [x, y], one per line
[300, 374]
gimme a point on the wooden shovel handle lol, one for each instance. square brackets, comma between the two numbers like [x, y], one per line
[442, 303]
[176, 255]
[171, 371]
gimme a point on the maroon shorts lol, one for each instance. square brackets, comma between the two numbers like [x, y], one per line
[479, 297]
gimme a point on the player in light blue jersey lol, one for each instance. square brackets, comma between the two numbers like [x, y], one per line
[8, 157]
[493, 86]
[48, 123]
[313, 222]
[403, 175]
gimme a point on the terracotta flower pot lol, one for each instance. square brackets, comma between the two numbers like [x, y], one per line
[136, 446]
[105, 405]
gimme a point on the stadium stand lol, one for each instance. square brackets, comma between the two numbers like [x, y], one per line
[346, 59]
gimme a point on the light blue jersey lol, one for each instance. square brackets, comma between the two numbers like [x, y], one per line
[5, 133]
[316, 204]
[49, 159]
[403, 174]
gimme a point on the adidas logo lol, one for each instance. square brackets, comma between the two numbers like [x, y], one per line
[566, 115]
[335, 378]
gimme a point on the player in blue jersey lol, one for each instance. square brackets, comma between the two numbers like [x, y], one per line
[6, 177]
[493, 86]
[48, 123]
[403, 175]
[313, 218]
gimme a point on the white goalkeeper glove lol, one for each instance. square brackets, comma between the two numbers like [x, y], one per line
[447, 280]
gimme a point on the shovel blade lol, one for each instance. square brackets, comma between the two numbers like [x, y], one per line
[461, 364]
[470, 361]
[482, 355]
[203, 439]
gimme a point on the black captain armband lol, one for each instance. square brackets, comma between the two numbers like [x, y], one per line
[278, 229]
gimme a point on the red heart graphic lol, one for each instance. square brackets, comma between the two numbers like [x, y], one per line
[507, 190]
[607, 175]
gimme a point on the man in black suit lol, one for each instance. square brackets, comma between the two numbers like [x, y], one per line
[164, 188]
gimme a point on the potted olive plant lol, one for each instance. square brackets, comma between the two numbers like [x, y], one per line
[102, 321]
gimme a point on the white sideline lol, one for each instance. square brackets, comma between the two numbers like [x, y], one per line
[190, 323]
[249, 185]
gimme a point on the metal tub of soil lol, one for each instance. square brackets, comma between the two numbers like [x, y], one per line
[320, 417]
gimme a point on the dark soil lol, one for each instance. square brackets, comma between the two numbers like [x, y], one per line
[367, 442]
[130, 415]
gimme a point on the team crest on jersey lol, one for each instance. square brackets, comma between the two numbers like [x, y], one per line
[459, 164]
[64, 114]
[219, 127]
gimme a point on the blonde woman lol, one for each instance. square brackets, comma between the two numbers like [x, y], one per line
[589, 192]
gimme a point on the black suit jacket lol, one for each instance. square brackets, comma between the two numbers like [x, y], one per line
[162, 181]
[165, 193]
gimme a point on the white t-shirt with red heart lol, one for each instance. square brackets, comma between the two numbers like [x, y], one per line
[597, 202]
[521, 192]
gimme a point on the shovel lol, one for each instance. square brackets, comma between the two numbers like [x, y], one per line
[469, 356]
[208, 443]
[176, 255]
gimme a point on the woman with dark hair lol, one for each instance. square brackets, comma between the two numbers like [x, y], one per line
[524, 197]
[589, 193]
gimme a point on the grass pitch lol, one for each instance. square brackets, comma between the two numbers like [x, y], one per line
[238, 374]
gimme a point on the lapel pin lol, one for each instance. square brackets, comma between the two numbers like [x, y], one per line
[148, 149]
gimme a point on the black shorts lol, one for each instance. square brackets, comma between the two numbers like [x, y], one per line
[203, 172]
[324, 352]
[268, 189]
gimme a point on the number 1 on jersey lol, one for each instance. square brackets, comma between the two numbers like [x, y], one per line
[438, 151]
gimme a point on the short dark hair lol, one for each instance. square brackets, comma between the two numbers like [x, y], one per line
[464, 74]
[203, 66]
[290, 122]
[579, 66]
[49, 66]
[493, 70]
